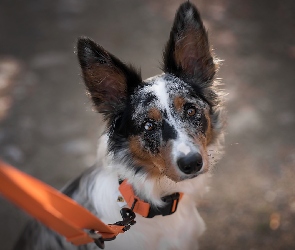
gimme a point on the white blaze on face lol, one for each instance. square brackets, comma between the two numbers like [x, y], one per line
[183, 148]
[159, 89]
[182, 145]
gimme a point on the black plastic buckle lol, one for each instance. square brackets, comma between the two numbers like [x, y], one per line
[167, 208]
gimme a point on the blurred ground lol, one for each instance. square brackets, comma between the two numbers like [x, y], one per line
[49, 131]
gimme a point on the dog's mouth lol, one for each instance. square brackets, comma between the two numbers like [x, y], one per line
[178, 176]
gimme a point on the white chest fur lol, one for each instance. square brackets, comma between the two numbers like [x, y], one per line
[177, 231]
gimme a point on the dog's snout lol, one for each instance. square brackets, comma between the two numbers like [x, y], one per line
[190, 163]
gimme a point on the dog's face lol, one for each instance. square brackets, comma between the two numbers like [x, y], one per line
[161, 126]
[170, 128]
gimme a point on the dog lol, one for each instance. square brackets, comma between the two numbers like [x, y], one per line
[162, 137]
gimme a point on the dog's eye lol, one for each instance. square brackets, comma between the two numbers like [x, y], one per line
[149, 126]
[191, 111]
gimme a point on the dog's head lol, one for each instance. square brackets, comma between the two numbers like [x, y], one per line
[161, 126]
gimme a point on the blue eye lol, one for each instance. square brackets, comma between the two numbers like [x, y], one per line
[149, 126]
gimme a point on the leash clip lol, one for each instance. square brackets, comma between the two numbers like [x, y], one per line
[128, 217]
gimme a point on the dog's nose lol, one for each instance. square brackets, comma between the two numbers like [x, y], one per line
[190, 163]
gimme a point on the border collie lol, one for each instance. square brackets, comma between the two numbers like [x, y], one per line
[162, 137]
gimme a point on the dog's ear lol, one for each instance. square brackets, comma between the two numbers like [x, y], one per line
[187, 52]
[108, 80]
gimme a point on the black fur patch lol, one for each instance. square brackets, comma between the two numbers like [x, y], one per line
[168, 132]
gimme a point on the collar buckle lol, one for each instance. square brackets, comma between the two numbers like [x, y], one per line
[171, 203]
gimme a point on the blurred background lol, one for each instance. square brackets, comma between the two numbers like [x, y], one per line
[48, 128]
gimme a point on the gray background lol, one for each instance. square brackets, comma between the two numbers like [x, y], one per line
[48, 129]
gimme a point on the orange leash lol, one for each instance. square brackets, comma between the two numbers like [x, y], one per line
[56, 210]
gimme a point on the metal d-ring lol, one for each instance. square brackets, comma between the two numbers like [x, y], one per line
[98, 240]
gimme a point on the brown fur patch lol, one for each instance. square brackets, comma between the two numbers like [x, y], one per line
[155, 165]
[141, 157]
[209, 132]
[192, 52]
[155, 114]
[179, 103]
[105, 84]
[168, 168]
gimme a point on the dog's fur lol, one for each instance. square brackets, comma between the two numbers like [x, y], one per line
[152, 126]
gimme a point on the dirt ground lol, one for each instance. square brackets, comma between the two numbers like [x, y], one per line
[47, 127]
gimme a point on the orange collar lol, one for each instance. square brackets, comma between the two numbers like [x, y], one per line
[144, 208]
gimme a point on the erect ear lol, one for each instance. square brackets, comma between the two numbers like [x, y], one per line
[187, 53]
[108, 80]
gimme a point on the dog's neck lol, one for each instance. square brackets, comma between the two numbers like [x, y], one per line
[148, 188]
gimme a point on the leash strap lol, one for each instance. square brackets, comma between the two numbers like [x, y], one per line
[54, 209]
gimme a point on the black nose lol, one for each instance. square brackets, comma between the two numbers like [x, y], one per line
[190, 163]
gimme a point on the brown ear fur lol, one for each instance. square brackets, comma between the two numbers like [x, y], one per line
[187, 53]
[192, 54]
[108, 80]
[106, 86]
